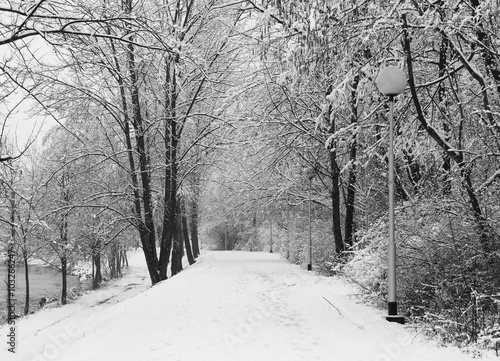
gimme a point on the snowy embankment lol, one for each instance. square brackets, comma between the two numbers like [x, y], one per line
[228, 306]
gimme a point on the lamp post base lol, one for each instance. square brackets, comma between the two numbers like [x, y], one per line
[393, 313]
[392, 308]
[309, 267]
[396, 318]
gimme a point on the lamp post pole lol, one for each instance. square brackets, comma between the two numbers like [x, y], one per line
[391, 299]
[271, 233]
[312, 174]
[391, 81]
[309, 260]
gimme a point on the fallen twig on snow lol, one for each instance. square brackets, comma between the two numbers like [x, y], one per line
[331, 304]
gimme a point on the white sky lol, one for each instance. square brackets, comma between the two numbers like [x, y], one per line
[21, 126]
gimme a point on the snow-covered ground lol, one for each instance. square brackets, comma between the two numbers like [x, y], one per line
[227, 306]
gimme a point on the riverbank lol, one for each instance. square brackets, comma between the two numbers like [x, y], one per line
[135, 280]
[44, 282]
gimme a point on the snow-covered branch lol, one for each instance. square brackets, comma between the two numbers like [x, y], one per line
[488, 182]
[39, 21]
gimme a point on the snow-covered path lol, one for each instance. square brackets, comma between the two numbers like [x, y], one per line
[228, 306]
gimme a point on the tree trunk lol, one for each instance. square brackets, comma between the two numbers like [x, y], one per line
[125, 259]
[118, 265]
[144, 234]
[170, 186]
[118, 262]
[93, 270]
[193, 211]
[146, 227]
[443, 108]
[111, 264]
[97, 277]
[351, 181]
[177, 248]
[193, 225]
[187, 243]
[64, 272]
[271, 235]
[27, 280]
[335, 194]
[482, 225]
[63, 234]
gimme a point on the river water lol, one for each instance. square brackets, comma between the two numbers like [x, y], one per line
[44, 282]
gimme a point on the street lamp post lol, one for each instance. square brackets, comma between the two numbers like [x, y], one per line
[309, 258]
[391, 81]
[271, 234]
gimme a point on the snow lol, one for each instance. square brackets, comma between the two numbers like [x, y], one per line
[228, 306]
